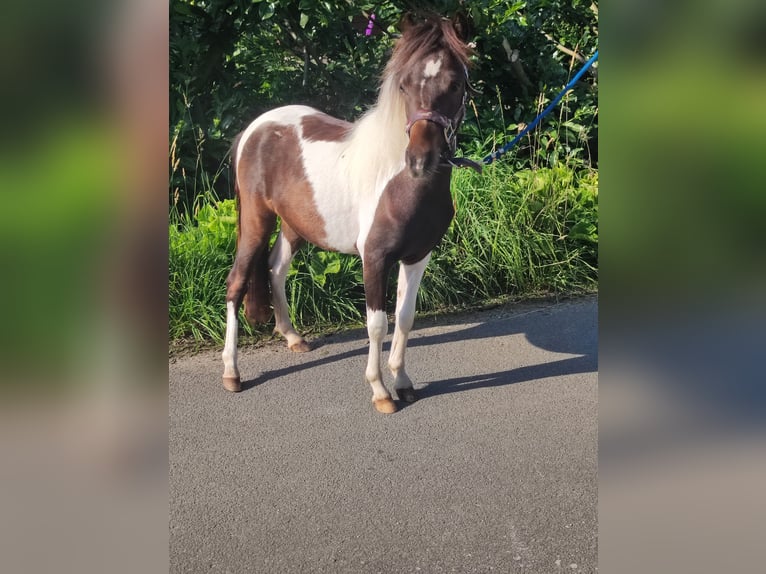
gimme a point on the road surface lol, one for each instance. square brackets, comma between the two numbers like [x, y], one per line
[492, 470]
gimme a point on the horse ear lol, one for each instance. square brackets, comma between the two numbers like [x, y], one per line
[407, 21]
[462, 26]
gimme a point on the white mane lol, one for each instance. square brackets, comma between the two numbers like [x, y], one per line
[377, 141]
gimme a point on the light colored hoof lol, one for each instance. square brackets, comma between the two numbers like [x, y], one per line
[407, 395]
[233, 384]
[300, 347]
[385, 406]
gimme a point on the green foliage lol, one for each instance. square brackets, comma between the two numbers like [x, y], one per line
[231, 60]
[511, 93]
[201, 246]
[325, 289]
[526, 233]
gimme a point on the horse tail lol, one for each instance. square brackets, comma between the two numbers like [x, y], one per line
[258, 294]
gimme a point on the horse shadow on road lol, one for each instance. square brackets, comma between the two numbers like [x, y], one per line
[569, 328]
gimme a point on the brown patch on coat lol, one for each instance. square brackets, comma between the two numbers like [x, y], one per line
[411, 218]
[321, 127]
[271, 171]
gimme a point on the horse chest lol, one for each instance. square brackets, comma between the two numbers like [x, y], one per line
[411, 218]
[423, 231]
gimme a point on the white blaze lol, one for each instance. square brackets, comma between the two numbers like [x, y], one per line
[432, 68]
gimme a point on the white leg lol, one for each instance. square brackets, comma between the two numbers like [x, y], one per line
[231, 378]
[406, 296]
[279, 261]
[377, 326]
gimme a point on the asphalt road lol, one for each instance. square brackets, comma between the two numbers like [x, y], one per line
[492, 470]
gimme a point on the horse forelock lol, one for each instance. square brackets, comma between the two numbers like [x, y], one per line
[423, 39]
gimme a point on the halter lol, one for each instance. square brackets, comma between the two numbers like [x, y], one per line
[449, 127]
[447, 124]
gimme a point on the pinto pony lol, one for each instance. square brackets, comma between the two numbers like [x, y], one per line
[378, 188]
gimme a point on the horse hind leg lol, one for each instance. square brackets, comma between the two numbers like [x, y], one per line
[287, 244]
[257, 296]
[246, 281]
[406, 295]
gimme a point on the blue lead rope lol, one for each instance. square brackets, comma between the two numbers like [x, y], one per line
[497, 153]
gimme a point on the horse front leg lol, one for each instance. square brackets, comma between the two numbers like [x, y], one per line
[376, 272]
[231, 378]
[406, 296]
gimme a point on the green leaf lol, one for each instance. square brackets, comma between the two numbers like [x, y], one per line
[266, 10]
[584, 231]
[333, 266]
[304, 20]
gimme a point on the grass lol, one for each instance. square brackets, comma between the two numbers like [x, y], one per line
[526, 233]
[521, 234]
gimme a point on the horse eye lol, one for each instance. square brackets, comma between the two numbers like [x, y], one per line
[401, 88]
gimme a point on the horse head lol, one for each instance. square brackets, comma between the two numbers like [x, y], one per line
[430, 65]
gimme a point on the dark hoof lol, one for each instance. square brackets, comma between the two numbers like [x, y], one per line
[233, 384]
[407, 395]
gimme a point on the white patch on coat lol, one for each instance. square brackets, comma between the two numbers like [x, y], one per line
[406, 297]
[432, 68]
[349, 176]
[377, 327]
[229, 354]
[286, 115]
[377, 324]
[335, 200]
[376, 152]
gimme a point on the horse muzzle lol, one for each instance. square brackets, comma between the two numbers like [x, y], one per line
[424, 152]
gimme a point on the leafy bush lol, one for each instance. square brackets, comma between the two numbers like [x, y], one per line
[232, 60]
